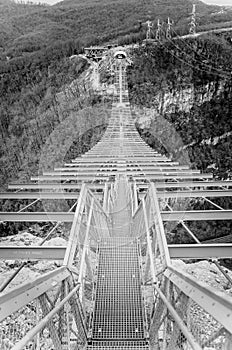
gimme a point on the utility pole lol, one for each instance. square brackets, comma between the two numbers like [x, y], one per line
[169, 29]
[192, 29]
[159, 31]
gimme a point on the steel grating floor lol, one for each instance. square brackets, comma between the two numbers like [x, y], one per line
[118, 345]
[121, 215]
[118, 316]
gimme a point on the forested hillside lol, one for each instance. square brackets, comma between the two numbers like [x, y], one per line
[73, 23]
[181, 93]
[36, 42]
[189, 84]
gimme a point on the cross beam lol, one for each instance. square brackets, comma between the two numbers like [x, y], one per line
[200, 251]
[104, 175]
[42, 195]
[196, 215]
[100, 186]
[32, 252]
[55, 186]
[130, 170]
[192, 184]
[36, 217]
[193, 194]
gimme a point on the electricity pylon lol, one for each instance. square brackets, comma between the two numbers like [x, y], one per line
[192, 29]
[169, 29]
[159, 30]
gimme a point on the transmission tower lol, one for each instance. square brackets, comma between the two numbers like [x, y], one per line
[192, 29]
[169, 29]
[149, 27]
[159, 31]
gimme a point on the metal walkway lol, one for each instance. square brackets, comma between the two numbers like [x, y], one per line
[119, 312]
[116, 287]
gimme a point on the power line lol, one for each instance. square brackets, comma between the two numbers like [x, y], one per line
[197, 60]
[220, 73]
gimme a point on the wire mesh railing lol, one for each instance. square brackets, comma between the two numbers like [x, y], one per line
[53, 311]
[181, 313]
[178, 322]
[44, 315]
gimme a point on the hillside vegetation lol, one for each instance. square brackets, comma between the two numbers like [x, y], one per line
[35, 44]
[201, 69]
[28, 28]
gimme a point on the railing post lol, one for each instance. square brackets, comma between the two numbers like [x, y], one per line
[82, 264]
[135, 197]
[76, 226]
[159, 226]
[105, 197]
[149, 247]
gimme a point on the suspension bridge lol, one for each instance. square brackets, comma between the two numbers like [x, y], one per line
[116, 286]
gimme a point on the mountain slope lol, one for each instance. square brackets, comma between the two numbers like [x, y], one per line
[87, 21]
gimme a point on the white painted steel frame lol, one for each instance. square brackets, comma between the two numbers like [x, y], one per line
[200, 251]
[32, 252]
[196, 215]
[216, 303]
[22, 295]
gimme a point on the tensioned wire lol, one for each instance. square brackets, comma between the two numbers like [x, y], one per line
[189, 64]
[204, 57]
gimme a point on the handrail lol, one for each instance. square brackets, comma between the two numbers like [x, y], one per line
[215, 302]
[32, 333]
[24, 294]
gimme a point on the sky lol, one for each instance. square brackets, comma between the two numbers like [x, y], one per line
[218, 2]
[210, 2]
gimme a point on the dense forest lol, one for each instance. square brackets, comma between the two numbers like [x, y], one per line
[36, 42]
[28, 28]
[185, 87]
[201, 69]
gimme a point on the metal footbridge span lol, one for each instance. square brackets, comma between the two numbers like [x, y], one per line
[115, 285]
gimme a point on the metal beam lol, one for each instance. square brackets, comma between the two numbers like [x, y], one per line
[193, 184]
[32, 252]
[101, 175]
[59, 186]
[112, 166]
[129, 170]
[131, 161]
[164, 176]
[196, 215]
[193, 194]
[103, 157]
[200, 251]
[36, 217]
[42, 195]
[79, 177]
[23, 295]
[76, 228]
[100, 186]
